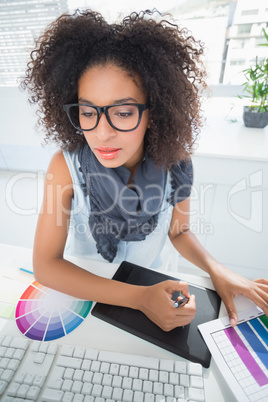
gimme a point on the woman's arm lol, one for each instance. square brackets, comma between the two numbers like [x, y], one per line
[227, 283]
[52, 270]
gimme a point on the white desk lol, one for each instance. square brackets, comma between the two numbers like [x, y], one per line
[95, 333]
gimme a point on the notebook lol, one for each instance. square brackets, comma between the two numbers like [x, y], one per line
[184, 341]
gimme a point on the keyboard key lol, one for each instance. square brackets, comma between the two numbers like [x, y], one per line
[163, 376]
[180, 367]
[4, 362]
[13, 364]
[134, 372]
[7, 375]
[3, 385]
[67, 397]
[29, 378]
[20, 377]
[123, 371]
[143, 374]
[79, 352]
[7, 341]
[127, 383]
[51, 395]
[86, 364]
[97, 390]
[18, 354]
[56, 380]
[107, 392]
[196, 381]
[147, 386]
[77, 386]
[179, 391]
[39, 380]
[168, 390]
[104, 368]
[97, 378]
[117, 381]
[138, 396]
[158, 388]
[68, 373]
[174, 378]
[35, 346]
[2, 351]
[91, 354]
[55, 383]
[196, 394]
[153, 375]
[117, 394]
[87, 388]
[114, 369]
[87, 377]
[78, 375]
[194, 369]
[22, 390]
[52, 348]
[9, 352]
[107, 379]
[166, 365]
[13, 388]
[67, 350]
[39, 358]
[127, 395]
[137, 384]
[71, 362]
[79, 398]
[67, 385]
[129, 360]
[149, 398]
[184, 380]
[43, 347]
[95, 366]
[33, 392]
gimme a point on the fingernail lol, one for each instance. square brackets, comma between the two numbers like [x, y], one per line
[232, 322]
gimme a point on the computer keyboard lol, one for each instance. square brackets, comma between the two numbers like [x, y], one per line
[45, 371]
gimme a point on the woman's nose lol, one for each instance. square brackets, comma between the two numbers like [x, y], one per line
[104, 130]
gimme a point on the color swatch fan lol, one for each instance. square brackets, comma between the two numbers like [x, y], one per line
[44, 314]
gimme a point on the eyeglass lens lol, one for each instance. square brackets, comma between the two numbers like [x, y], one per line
[123, 117]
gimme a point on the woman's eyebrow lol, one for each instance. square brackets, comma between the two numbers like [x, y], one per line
[85, 101]
[123, 100]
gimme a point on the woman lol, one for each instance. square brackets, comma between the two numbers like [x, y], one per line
[122, 101]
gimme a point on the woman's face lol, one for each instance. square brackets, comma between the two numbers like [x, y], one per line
[108, 85]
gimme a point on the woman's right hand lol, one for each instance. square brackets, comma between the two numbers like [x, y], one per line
[157, 304]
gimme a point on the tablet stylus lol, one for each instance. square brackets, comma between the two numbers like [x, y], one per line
[181, 302]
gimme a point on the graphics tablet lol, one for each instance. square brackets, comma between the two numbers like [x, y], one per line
[184, 341]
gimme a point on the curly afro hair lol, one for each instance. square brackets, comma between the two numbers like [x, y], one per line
[167, 60]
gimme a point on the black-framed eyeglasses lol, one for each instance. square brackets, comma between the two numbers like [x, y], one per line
[122, 117]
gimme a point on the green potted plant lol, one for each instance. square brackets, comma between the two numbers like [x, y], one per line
[256, 87]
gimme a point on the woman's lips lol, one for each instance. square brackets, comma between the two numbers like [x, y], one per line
[108, 152]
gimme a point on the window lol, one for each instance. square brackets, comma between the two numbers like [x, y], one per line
[236, 25]
[250, 12]
[244, 29]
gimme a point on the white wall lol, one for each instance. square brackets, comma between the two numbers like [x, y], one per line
[20, 143]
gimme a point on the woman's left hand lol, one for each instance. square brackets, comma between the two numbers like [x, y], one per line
[228, 285]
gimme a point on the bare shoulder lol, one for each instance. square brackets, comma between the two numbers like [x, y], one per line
[58, 171]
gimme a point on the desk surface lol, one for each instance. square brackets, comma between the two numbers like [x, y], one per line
[224, 134]
[95, 333]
